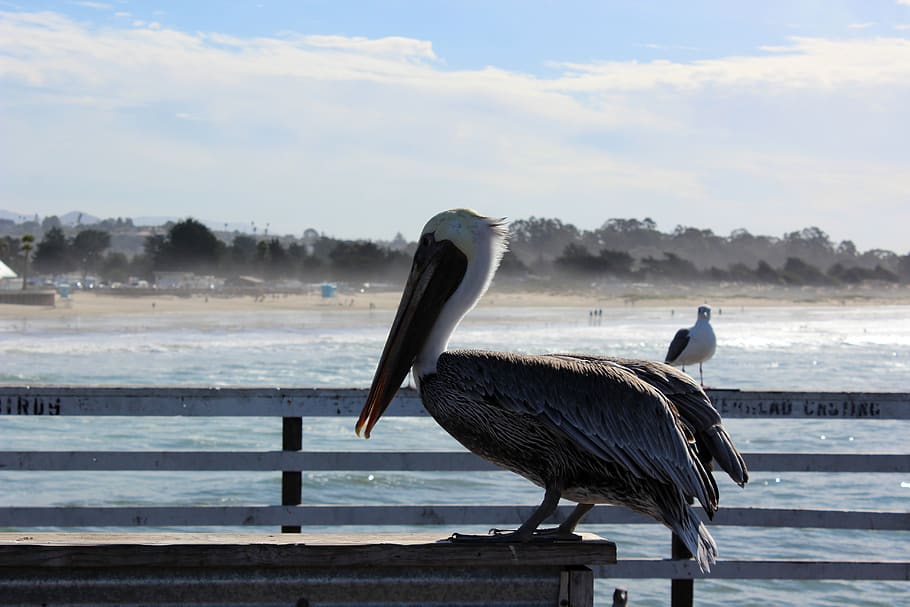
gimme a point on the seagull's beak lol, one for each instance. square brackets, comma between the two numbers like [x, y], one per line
[438, 269]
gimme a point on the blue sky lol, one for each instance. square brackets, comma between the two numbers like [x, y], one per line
[365, 118]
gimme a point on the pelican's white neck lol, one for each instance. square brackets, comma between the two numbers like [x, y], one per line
[483, 241]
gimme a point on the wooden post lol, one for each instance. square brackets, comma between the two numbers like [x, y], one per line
[681, 591]
[576, 587]
[291, 480]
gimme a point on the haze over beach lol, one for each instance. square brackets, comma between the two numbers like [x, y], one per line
[364, 120]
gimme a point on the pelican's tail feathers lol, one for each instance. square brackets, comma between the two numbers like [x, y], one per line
[706, 554]
[695, 535]
[721, 448]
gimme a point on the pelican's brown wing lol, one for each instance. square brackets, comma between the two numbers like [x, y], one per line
[695, 409]
[604, 409]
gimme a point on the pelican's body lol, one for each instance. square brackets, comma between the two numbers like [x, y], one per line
[588, 429]
[693, 345]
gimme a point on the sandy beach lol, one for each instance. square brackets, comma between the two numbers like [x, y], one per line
[99, 304]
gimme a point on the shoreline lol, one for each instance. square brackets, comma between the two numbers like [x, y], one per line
[101, 304]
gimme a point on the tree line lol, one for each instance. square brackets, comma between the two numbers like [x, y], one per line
[636, 250]
[624, 249]
[190, 246]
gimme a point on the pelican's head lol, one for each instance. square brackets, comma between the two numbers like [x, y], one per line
[704, 312]
[456, 257]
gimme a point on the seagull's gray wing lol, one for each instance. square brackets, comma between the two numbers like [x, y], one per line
[604, 409]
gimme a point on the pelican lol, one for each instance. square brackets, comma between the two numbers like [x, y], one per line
[693, 345]
[588, 429]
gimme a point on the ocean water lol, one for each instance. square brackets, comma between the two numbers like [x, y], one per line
[781, 348]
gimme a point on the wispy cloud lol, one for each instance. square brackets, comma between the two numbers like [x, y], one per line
[101, 6]
[805, 62]
[861, 26]
[668, 47]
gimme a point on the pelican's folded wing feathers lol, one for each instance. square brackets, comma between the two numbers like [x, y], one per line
[603, 408]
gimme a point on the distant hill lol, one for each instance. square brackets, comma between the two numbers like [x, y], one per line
[215, 226]
[13, 215]
[159, 220]
[75, 218]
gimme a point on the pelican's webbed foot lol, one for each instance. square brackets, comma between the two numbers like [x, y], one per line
[499, 535]
[556, 534]
[494, 535]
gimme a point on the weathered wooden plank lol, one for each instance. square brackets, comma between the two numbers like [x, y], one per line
[758, 570]
[347, 402]
[455, 516]
[805, 518]
[196, 402]
[243, 460]
[413, 461]
[828, 462]
[811, 405]
[247, 550]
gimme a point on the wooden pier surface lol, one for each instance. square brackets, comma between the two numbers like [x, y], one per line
[315, 550]
[292, 569]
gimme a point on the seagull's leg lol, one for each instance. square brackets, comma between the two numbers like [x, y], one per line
[566, 530]
[701, 377]
[523, 533]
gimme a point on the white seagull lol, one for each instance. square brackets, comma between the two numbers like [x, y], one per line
[693, 345]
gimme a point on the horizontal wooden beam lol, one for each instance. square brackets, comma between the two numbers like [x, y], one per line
[758, 570]
[412, 461]
[347, 402]
[455, 516]
[87, 550]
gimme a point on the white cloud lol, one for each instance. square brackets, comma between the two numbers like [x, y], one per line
[861, 26]
[804, 63]
[101, 6]
[668, 47]
[274, 125]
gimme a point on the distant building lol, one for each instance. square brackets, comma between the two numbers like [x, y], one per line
[244, 282]
[186, 280]
[6, 271]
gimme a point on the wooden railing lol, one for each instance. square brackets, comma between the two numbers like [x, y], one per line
[294, 404]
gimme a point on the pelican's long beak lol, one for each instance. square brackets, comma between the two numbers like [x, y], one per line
[438, 269]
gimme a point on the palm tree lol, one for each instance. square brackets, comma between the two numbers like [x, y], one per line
[28, 243]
